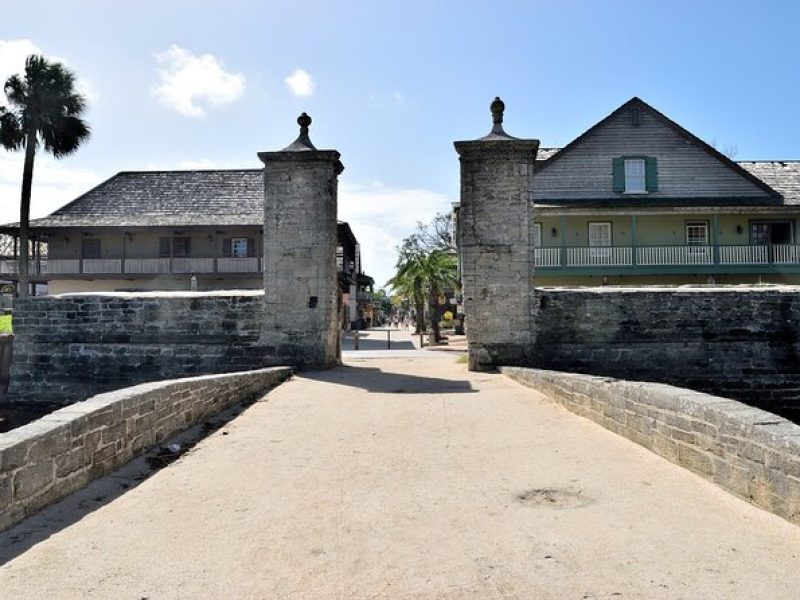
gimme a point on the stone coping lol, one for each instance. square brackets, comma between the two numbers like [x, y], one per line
[157, 294]
[693, 288]
[48, 459]
[747, 451]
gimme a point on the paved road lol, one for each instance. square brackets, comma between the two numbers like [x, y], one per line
[411, 478]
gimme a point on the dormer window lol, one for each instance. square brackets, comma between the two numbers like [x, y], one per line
[635, 174]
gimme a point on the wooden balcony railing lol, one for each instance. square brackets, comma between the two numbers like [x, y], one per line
[141, 267]
[642, 257]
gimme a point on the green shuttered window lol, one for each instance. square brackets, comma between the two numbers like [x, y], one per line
[635, 174]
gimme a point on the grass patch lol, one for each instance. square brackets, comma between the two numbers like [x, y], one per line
[5, 324]
[462, 360]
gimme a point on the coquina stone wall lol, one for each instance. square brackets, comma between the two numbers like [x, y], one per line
[739, 342]
[62, 452]
[747, 451]
[69, 347]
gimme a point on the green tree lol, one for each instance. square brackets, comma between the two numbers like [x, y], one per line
[44, 109]
[424, 277]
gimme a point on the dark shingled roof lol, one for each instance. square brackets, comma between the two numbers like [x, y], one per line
[781, 175]
[167, 198]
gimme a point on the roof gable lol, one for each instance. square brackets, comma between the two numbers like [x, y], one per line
[687, 166]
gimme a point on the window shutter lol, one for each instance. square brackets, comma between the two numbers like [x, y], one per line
[163, 247]
[226, 247]
[251, 248]
[618, 165]
[651, 174]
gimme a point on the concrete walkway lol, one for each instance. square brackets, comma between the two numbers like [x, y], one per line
[412, 478]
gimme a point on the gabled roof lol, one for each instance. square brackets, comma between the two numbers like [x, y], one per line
[636, 102]
[167, 198]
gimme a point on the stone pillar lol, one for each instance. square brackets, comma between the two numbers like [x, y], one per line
[496, 245]
[300, 280]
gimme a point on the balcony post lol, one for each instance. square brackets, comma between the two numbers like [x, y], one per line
[562, 255]
[634, 241]
[122, 266]
[715, 236]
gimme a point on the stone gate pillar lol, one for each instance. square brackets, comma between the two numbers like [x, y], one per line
[496, 244]
[300, 281]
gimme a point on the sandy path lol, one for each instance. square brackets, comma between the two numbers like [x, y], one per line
[401, 478]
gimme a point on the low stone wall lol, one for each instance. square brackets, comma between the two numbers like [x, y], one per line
[739, 342]
[745, 450]
[72, 346]
[62, 452]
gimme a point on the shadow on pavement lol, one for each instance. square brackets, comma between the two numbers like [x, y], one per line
[376, 343]
[374, 380]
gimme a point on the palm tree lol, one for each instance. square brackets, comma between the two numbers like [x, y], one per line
[409, 283]
[44, 108]
[423, 277]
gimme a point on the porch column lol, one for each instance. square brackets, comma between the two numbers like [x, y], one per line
[562, 257]
[715, 236]
[634, 241]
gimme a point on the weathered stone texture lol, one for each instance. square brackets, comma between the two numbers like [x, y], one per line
[740, 342]
[496, 245]
[70, 347]
[750, 452]
[62, 452]
[300, 277]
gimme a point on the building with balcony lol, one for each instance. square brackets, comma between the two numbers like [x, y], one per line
[160, 230]
[638, 199]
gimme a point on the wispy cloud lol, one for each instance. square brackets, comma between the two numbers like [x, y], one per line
[381, 216]
[300, 83]
[383, 99]
[193, 85]
[12, 61]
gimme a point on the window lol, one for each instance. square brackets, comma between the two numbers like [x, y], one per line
[635, 174]
[537, 235]
[599, 234]
[239, 247]
[697, 233]
[600, 240]
[181, 247]
[90, 248]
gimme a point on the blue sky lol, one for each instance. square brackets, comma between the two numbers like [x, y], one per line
[179, 84]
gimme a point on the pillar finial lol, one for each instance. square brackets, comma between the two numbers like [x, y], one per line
[497, 107]
[303, 142]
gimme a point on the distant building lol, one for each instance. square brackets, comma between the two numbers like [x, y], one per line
[638, 199]
[155, 230]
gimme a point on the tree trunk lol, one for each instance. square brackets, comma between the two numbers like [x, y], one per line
[433, 315]
[419, 306]
[24, 214]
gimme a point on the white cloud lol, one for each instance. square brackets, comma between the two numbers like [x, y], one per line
[54, 184]
[12, 61]
[300, 83]
[382, 216]
[192, 84]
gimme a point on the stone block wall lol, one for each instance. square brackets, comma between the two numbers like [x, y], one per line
[747, 451]
[69, 347]
[742, 343]
[62, 452]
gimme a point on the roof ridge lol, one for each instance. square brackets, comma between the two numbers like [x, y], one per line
[146, 171]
